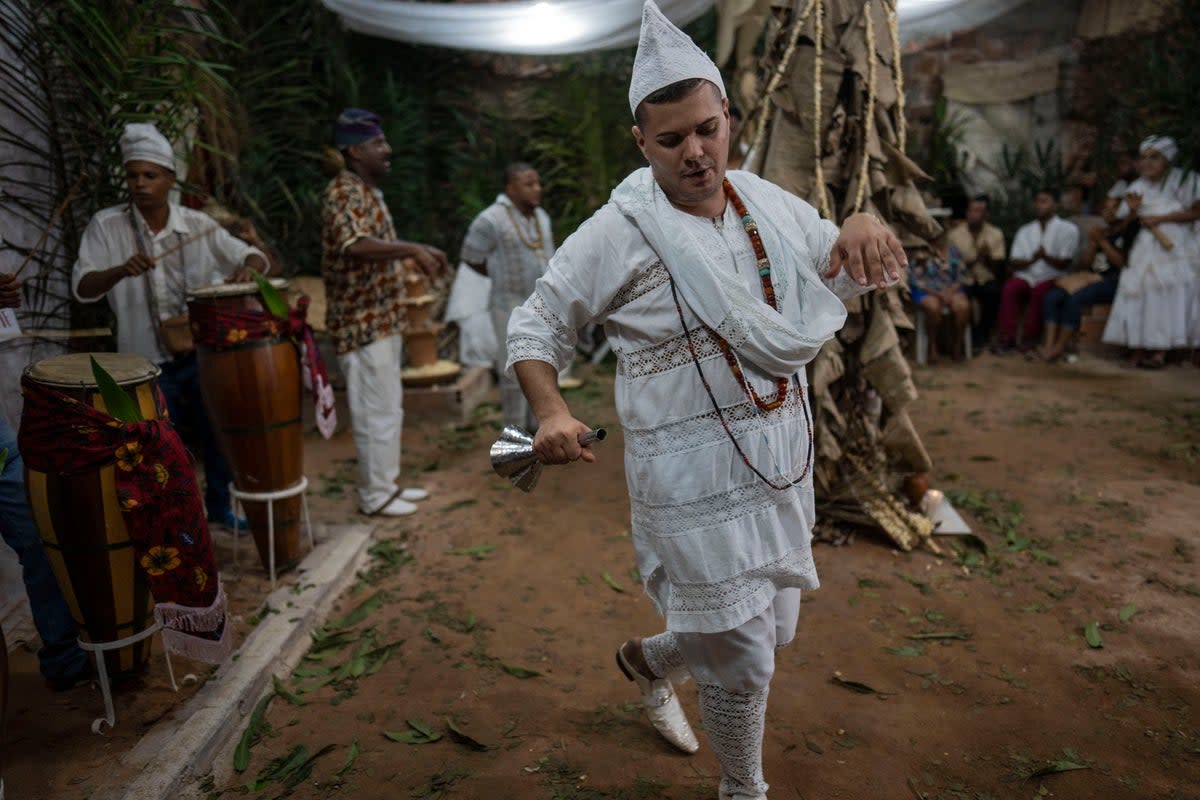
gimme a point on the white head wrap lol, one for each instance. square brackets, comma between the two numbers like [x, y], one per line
[666, 55]
[1163, 144]
[141, 141]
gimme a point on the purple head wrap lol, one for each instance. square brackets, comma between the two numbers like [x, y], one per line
[355, 126]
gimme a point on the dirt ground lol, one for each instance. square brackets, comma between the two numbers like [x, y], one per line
[913, 676]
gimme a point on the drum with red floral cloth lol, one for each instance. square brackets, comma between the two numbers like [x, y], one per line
[119, 512]
[250, 376]
[78, 515]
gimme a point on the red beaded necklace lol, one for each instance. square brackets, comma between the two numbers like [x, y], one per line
[764, 273]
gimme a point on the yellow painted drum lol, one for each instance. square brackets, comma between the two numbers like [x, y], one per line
[79, 517]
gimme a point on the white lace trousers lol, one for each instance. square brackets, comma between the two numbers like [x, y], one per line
[514, 407]
[733, 670]
[375, 396]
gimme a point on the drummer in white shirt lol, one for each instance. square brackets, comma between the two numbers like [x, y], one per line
[145, 256]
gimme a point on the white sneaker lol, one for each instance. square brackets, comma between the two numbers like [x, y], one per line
[414, 495]
[399, 507]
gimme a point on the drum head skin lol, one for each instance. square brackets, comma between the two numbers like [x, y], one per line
[75, 369]
[233, 289]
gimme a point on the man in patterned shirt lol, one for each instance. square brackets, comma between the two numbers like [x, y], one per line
[511, 242]
[361, 261]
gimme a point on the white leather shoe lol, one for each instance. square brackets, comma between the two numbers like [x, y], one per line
[399, 507]
[414, 495]
[662, 706]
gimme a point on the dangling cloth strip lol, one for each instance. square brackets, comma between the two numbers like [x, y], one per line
[221, 329]
[160, 502]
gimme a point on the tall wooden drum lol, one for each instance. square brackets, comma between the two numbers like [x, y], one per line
[79, 516]
[252, 393]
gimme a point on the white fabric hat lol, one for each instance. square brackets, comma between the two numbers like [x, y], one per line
[1163, 144]
[141, 141]
[666, 55]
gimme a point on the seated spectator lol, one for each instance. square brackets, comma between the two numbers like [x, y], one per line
[1127, 173]
[1041, 253]
[934, 278]
[1157, 305]
[981, 246]
[1104, 256]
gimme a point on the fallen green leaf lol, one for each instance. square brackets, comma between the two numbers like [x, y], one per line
[241, 755]
[478, 552]
[349, 762]
[960, 635]
[520, 672]
[612, 583]
[907, 650]
[1055, 767]
[855, 686]
[1127, 612]
[282, 691]
[417, 733]
[335, 641]
[1091, 633]
[361, 612]
[464, 739]
[119, 405]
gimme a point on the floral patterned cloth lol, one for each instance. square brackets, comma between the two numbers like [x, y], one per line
[220, 329]
[363, 298]
[160, 501]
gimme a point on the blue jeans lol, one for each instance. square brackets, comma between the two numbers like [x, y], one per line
[180, 384]
[60, 656]
[1066, 310]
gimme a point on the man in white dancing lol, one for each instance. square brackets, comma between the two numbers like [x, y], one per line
[715, 290]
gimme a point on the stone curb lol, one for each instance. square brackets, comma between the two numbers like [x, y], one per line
[183, 746]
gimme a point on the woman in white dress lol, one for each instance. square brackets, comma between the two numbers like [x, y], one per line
[1157, 306]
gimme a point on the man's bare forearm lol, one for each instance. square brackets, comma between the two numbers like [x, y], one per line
[372, 248]
[539, 381]
[96, 284]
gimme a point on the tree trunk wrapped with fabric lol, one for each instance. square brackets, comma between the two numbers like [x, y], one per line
[827, 123]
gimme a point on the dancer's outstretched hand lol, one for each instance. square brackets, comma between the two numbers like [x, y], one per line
[868, 251]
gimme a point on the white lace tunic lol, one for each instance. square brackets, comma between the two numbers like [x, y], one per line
[714, 543]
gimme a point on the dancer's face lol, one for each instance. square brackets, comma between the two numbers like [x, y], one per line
[687, 145]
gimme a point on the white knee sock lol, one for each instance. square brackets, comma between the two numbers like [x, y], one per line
[735, 722]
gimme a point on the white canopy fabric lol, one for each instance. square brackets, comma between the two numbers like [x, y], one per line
[562, 27]
[920, 19]
[532, 28]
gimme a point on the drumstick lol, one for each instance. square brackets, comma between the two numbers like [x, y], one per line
[188, 241]
[1162, 238]
[53, 219]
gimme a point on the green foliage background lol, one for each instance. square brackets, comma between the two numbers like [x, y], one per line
[258, 84]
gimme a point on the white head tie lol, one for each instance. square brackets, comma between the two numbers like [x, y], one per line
[141, 141]
[1163, 144]
[666, 55]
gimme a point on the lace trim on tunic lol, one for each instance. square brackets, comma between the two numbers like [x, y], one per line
[670, 354]
[707, 600]
[705, 429]
[654, 276]
[682, 519]
[529, 348]
[539, 306]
